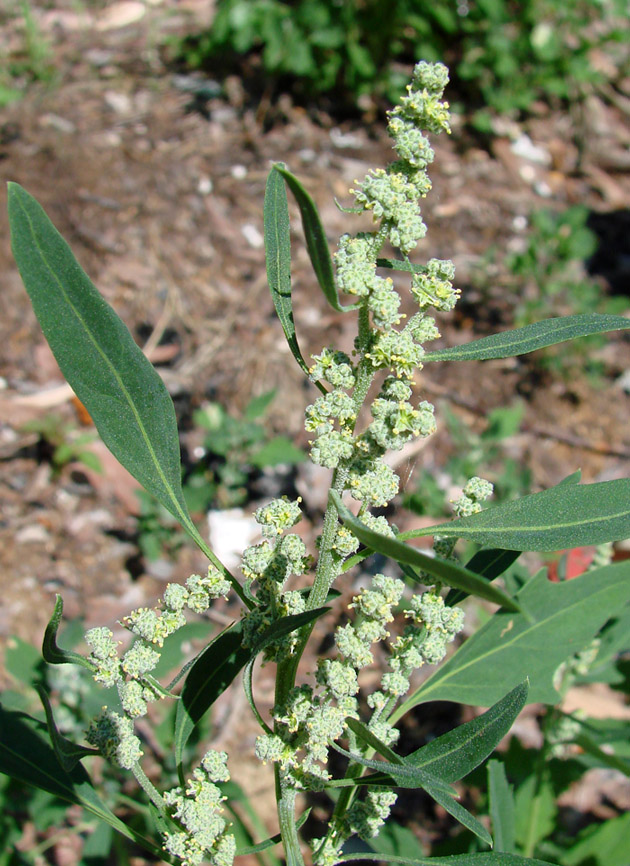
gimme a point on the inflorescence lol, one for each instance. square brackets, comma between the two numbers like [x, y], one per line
[310, 716]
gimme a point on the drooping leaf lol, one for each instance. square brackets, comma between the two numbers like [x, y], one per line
[25, 754]
[118, 386]
[453, 755]
[446, 571]
[501, 798]
[52, 653]
[520, 341]
[278, 258]
[509, 647]
[566, 516]
[217, 666]
[316, 242]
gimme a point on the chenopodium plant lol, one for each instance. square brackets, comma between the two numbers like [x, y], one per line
[536, 627]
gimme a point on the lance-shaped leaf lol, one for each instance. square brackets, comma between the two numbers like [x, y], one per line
[25, 754]
[405, 776]
[218, 665]
[456, 753]
[316, 242]
[278, 258]
[445, 571]
[508, 648]
[549, 332]
[501, 797]
[569, 515]
[119, 387]
[489, 858]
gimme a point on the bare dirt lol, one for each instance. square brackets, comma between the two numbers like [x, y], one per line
[162, 205]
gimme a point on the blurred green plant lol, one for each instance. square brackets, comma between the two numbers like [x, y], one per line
[547, 277]
[469, 451]
[62, 443]
[33, 61]
[504, 55]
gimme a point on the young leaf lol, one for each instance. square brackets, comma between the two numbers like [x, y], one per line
[118, 386]
[278, 258]
[501, 798]
[445, 571]
[565, 516]
[509, 647]
[315, 240]
[26, 755]
[52, 653]
[549, 332]
[456, 753]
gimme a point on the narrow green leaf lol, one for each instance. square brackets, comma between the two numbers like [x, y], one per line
[52, 653]
[119, 387]
[316, 242]
[456, 753]
[508, 648]
[68, 753]
[25, 754]
[404, 775]
[210, 675]
[566, 516]
[399, 774]
[489, 858]
[501, 798]
[445, 571]
[488, 563]
[460, 814]
[218, 665]
[278, 258]
[520, 341]
[401, 265]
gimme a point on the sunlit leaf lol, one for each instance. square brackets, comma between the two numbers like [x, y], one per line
[549, 332]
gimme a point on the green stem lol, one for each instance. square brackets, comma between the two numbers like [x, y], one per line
[285, 796]
[149, 788]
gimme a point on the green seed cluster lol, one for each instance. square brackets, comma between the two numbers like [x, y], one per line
[131, 673]
[198, 809]
[268, 565]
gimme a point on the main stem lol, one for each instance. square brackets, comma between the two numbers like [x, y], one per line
[325, 574]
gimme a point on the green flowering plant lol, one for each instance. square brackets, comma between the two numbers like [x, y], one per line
[328, 709]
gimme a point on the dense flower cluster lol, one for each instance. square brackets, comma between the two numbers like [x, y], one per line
[131, 673]
[198, 808]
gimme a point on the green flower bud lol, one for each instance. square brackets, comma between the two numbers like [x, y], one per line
[278, 515]
[334, 367]
[113, 736]
[140, 659]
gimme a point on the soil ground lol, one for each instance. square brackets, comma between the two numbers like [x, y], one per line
[162, 204]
